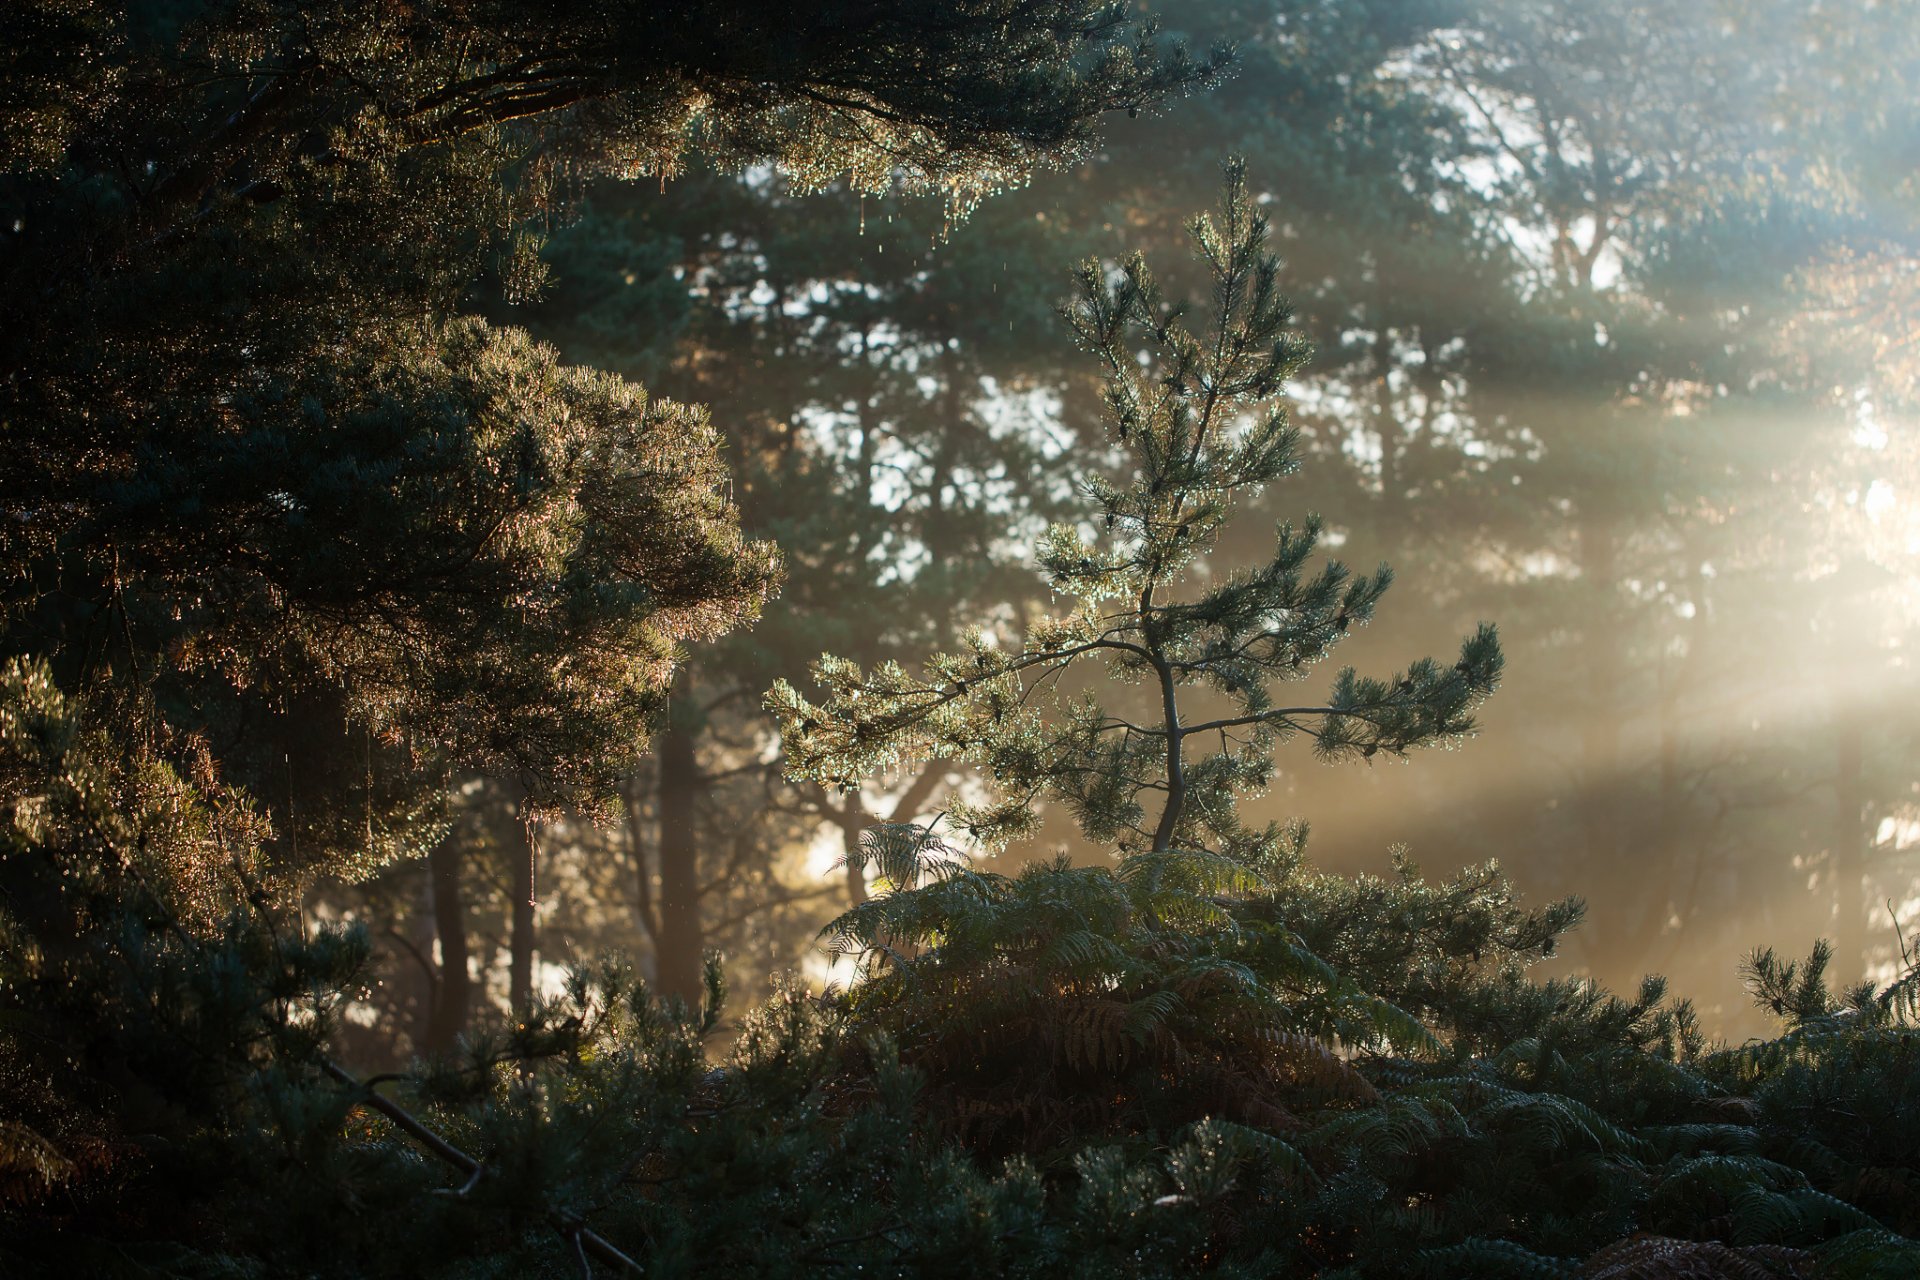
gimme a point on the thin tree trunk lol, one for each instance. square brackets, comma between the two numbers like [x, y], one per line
[1602, 658]
[1849, 848]
[1163, 836]
[453, 996]
[681, 941]
[1393, 441]
[522, 942]
[1673, 840]
[643, 905]
[418, 940]
[856, 873]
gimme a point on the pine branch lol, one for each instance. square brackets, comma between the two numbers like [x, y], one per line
[577, 1233]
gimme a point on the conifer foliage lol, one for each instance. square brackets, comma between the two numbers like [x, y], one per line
[289, 536]
[1255, 1068]
[262, 470]
[1195, 418]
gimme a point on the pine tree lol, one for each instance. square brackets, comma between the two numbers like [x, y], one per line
[1187, 1000]
[1196, 421]
[253, 437]
[290, 537]
[868, 361]
[1086, 1001]
[1463, 409]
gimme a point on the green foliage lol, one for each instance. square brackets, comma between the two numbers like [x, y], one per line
[148, 989]
[821, 1142]
[289, 539]
[263, 474]
[1196, 419]
[1470, 1122]
[264, 483]
[1070, 1002]
[1545, 1123]
[1151, 1070]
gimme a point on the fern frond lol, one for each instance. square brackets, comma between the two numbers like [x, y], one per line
[1556, 1123]
[1872, 1253]
[1645, 1257]
[1280, 1156]
[1493, 1258]
[906, 854]
[1099, 1035]
[1188, 872]
[1672, 1140]
[1703, 1181]
[1370, 1021]
[1798, 1215]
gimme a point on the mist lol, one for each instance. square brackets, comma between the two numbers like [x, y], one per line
[1612, 331]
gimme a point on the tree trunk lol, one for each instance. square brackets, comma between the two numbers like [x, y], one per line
[681, 941]
[1393, 441]
[1672, 840]
[453, 997]
[420, 934]
[1849, 848]
[522, 942]
[643, 905]
[1602, 657]
[850, 833]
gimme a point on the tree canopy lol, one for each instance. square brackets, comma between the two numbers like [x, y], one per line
[281, 479]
